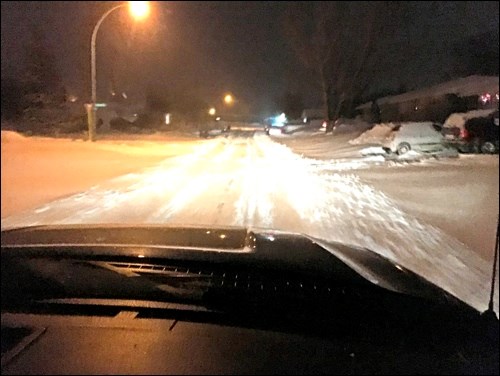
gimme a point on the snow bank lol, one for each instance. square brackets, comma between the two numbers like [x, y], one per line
[377, 135]
[35, 170]
[11, 136]
[410, 156]
[459, 119]
[373, 150]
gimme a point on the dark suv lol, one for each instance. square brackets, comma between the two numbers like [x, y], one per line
[478, 135]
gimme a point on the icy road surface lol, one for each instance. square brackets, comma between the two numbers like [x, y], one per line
[255, 182]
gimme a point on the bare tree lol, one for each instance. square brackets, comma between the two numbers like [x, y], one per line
[338, 41]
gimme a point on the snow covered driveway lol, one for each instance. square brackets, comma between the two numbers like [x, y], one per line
[256, 182]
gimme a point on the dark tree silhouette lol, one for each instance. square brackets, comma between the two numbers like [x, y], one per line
[338, 41]
[40, 79]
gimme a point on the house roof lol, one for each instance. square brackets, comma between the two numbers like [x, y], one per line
[463, 87]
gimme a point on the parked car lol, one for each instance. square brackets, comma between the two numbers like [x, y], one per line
[418, 136]
[298, 125]
[474, 134]
[316, 123]
[214, 128]
[271, 127]
[273, 130]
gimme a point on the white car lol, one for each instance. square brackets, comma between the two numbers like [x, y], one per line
[417, 136]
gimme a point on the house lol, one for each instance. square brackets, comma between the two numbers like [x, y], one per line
[437, 102]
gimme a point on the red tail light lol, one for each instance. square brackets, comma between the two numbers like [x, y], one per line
[464, 134]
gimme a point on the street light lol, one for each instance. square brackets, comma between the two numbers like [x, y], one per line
[138, 9]
[211, 111]
[228, 99]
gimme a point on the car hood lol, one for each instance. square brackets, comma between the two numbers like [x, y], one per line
[261, 248]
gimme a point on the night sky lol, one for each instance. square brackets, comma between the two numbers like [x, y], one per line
[213, 47]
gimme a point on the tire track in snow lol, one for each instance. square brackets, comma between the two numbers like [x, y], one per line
[195, 185]
[254, 208]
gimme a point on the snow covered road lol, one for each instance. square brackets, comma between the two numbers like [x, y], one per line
[255, 182]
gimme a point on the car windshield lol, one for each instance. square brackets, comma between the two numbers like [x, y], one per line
[275, 116]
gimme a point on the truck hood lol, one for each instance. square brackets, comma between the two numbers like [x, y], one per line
[239, 246]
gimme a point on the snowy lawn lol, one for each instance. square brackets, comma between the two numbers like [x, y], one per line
[37, 169]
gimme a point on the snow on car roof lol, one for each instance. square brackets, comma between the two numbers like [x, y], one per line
[459, 119]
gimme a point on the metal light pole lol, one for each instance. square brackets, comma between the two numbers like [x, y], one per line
[92, 116]
[140, 9]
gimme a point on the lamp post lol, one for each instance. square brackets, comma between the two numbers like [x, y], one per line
[139, 9]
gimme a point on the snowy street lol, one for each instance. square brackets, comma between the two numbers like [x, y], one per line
[437, 217]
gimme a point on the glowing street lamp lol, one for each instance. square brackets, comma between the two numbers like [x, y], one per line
[228, 99]
[211, 111]
[139, 10]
